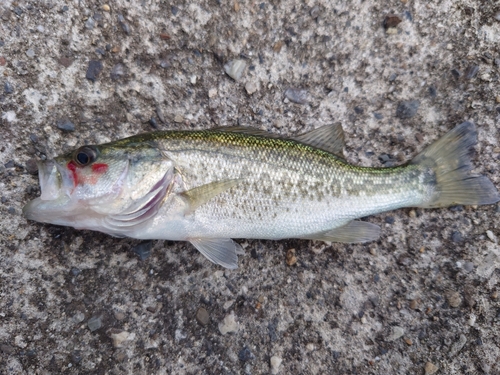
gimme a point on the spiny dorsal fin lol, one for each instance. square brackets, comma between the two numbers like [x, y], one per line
[327, 138]
[247, 130]
[202, 194]
[352, 232]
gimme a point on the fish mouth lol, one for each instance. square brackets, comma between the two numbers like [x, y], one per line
[55, 185]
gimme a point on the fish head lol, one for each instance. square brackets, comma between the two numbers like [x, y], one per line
[82, 187]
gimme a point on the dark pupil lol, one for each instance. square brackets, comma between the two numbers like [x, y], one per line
[82, 158]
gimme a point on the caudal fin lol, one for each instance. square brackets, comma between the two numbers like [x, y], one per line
[449, 160]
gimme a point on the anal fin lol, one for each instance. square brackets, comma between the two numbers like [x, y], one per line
[222, 251]
[352, 232]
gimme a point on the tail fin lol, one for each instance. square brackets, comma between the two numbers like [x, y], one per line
[448, 158]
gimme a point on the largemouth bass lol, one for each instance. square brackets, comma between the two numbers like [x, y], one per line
[210, 186]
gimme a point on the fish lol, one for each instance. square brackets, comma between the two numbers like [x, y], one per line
[209, 187]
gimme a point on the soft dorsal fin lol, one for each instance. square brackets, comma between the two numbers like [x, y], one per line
[327, 138]
[202, 194]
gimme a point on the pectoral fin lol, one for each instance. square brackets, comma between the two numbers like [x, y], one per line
[353, 232]
[222, 251]
[202, 194]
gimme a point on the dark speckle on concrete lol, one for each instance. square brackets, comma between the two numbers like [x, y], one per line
[245, 355]
[407, 109]
[65, 124]
[93, 70]
[457, 236]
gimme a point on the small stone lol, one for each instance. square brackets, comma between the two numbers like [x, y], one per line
[494, 295]
[235, 68]
[468, 266]
[497, 99]
[277, 46]
[90, 23]
[245, 355]
[119, 315]
[275, 364]
[75, 271]
[11, 210]
[456, 73]
[78, 317]
[65, 61]
[174, 10]
[397, 332]
[30, 53]
[8, 88]
[164, 36]
[298, 96]
[408, 341]
[193, 79]
[389, 219]
[456, 236]
[412, 214]
[93, 70]
[315, 11]
[430, 368]
[94, 323]
[212, 93]
[250, 87]
[106, 8]
[291, 259]
[152, 121]
[491, 236]
[18, 11]
[414, 304]
[454, 299]
[31, 167]
[407, 109]
[202, 316]
[118, 337]
[391, 21]
[143, 250]
[3, 62]
[178, 119]
[471, 71]
[124, 25]
[229, 324]
[65, 124]
[458, 345]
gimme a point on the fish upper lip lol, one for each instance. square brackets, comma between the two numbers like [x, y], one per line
[53, 179]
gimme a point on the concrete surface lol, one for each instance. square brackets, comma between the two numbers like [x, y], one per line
[422, 299]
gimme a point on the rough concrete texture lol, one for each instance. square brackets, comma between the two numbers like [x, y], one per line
[423, 298]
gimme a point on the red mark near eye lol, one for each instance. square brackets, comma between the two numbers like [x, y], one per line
[72, 168]
[99, 168]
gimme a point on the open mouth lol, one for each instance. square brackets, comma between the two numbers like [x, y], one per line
[54, 180]
[55, 185]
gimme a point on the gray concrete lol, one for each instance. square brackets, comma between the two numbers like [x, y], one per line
[422, 298]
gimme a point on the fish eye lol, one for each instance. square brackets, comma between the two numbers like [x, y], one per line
[85, 156]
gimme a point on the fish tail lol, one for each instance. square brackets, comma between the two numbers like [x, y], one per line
[448, 159]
